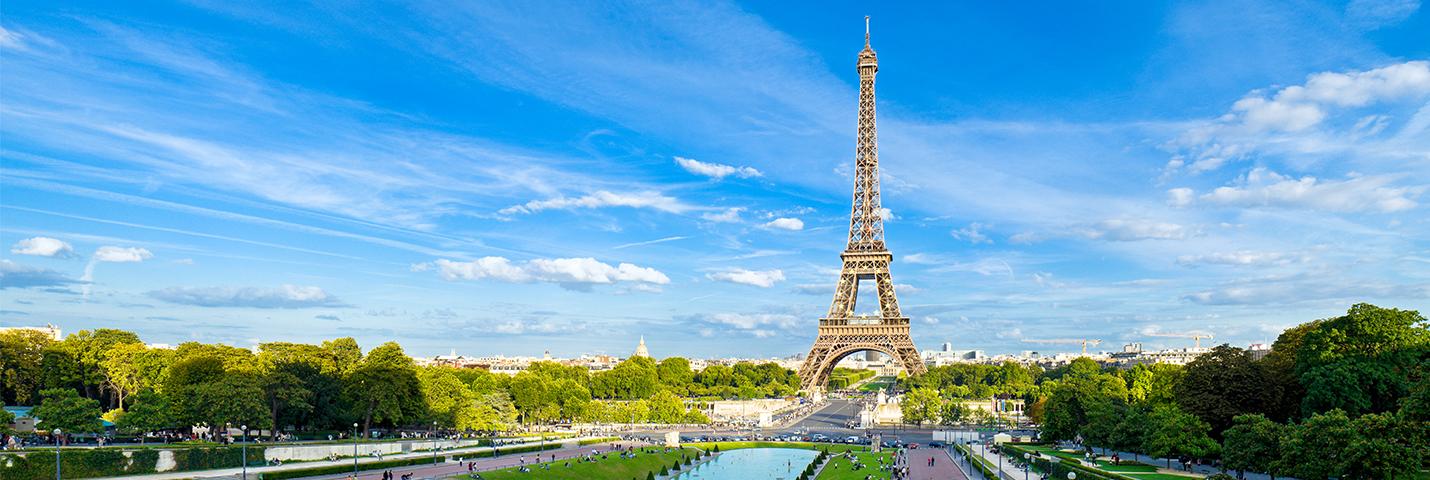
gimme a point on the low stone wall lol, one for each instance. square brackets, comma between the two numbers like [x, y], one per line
[319, 452]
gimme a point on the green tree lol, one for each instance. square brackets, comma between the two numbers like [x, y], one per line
[1253, 442]
[285, 393]
[1131, 431]
[22, 355]
[149, 411]
[64, 409]
[6, 418]
[675, 373]
[1279, 365]
[666, 407]
[921, 405]
[89, 348]
[1152, 383]
[1361, 362]
[1315, 448]
[384, 387]
[1385, 446]
[1173, 432]
[130, 367]
[1103, 418]
[952, 413]
[1222, 384]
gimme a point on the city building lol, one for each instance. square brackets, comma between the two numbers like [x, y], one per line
[49, 330]
[641, 351]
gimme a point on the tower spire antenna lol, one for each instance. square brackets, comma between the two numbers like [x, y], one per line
[866, 30]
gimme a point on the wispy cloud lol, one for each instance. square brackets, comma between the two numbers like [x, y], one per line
[43, 247]
[758, 278]
[565, 271]
[286, 296]
[717, 171]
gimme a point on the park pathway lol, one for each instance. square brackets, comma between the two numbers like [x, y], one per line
[569, 449]
[484, 464]
[943, 465]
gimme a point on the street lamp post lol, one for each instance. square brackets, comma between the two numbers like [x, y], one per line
[244, 450]
[1028, 457]
[1000, 461]
[434, 442]
[1072, 475]
[57, 433]
[355, 432]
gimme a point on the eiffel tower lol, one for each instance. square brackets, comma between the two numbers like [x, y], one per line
[843, 332]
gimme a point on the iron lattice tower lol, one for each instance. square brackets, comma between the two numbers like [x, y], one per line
[866, 257]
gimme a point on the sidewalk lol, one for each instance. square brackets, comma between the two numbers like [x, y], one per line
[1009, 472]
[944, 466]
[252, 470]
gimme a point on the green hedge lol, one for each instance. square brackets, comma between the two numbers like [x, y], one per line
[89, 463]
[348, 467]
[977, 462]
[1060, 469]
[38, 465]
[342, 468]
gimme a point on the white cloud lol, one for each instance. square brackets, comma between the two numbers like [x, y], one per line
[1302, 106]
[761, 278]
[43, 247]
[971, 234]
[14, 275]
[921, 259]
[110, 254]
[715, 170]
[566, 271]
[1376, 13]
[1132, 229]
[1315, 117]
[121, 254]
[1241, 257]
[601, 199]
[814, 289]
[761, 325]
[729, 215]
[1180, 197]
[887, 215]
[1265, 188]
[906, 288]
[286, 296]
[792, 224]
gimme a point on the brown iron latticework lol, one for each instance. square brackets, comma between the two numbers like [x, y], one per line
[843, 332]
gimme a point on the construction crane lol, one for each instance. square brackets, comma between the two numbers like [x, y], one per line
[1194, 336]
[1066, 341]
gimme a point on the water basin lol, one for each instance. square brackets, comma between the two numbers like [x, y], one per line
[753, 463]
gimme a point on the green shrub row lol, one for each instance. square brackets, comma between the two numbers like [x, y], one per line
[977, 462]
[331, 469]
[75, 463]
[1060, 469]
[342, 468]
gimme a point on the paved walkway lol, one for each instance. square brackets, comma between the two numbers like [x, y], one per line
[943, 467]
[485, 464]
[235, 472]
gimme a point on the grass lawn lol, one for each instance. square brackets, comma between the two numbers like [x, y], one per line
[840, 468]
[1127, 466]
[877, 384]
[613, 466]
[832, 447]
[1162, 476]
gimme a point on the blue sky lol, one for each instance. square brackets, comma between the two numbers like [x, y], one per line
[527, 176]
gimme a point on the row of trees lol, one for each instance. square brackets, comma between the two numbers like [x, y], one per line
[332, 385]
[1342, 397]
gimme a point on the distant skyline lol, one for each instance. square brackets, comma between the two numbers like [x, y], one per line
[509, 178]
